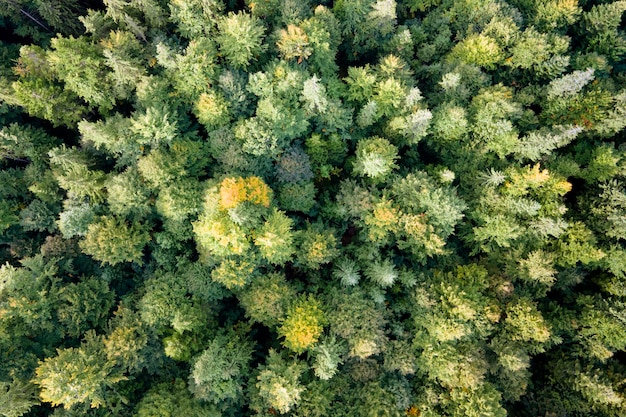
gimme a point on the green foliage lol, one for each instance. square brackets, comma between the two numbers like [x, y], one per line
[479, 49]
[317, 246]
[80, 65]
[195, 18]
[356, 319]
[240, 39]
[275, 239]
[16, 398]
[267, 299]
[77, 375]
[161, 166]
[28, 296]
[375, 158]
[602, 25]
[218, 372]
[127, 195]
[38, 217]
[111, 240]
[312, 208]
[169, 399]
[129, 343]
[303, 324]
[84, 306]
[278, 384]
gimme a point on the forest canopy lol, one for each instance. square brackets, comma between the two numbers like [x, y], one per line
[312, 208]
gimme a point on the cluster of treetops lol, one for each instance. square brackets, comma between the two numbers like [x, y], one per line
[335, 208]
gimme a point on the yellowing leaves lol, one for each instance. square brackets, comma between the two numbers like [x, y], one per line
[304, 324]
[536, 177]
[234, 191]
[538, 180]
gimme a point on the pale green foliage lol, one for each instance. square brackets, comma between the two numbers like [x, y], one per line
[479, 50]
[303, 324]
[163, 166]
[75, 219]
[464, 308]
[314, 95]
[233, 273]
[220, 236]
[39, 94]
[525, 323]
[275, 238]
[553, 14]
[346, 271]
[72, 172]
[597, 390]
[375, 158]
[112, 241]
[111, 134]
[218, 372]
[461, 366]
[449, 123]
[417, 194]
[492, 125]
[172, 399]
[604, 164]
[82, 67]
[536, 50]
[570, 84]
[389, 95]
[180, 200]
[577, 244]
[484, 402]
[195, 18]
[278, 384]
[127, 194]
[317, 246]
[211, 109]
[542, 142]
[609, 208]
[415, 126]
[77, 375]
[313, 208]
[267, 298]
[361, 83]
[124, 55]
[358, 320]
[154, 127]
[538, 267]
[193, 69]
[382, 273]
[240, 38]
[328, 356]
[16, 398]
[294, 43]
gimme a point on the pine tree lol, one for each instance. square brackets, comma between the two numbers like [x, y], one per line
[17, 398]
[240, 39]
[218, 372]
[303, 324]
[78, 375]
[112, 241]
